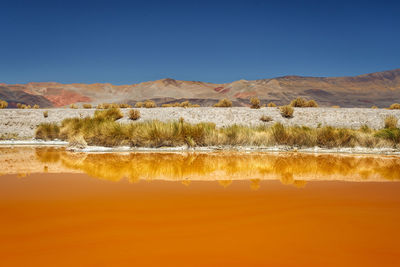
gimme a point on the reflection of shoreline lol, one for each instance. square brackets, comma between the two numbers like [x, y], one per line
[290, 168]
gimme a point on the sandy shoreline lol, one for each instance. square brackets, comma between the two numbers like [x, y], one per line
[101, 149]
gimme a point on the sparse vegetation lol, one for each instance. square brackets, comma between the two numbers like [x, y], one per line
[271, 105]
[73, 106]
[391, 122]
[312, 104]
[287, 111]
[224, 103]
[374, 107]
[298, 103]
[335, 106]
[102, 129]
[134, 114]
[47, 131]
[36, 106]
[265, 118]
[139, 105]
[149, 104]
[255, 103]
[395, 106]
[111, 114]
[184, 104]
[87, 106]
[124, 105]
[45, 114]
[3, 104]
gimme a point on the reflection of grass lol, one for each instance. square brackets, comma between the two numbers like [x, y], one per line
[290, 168]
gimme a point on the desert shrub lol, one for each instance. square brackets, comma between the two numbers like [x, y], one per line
[166, 105]
[265, 118]
[255, 103]
[47, 131]
[224, 103]
[73, 106]
[287, 111]
[391, 121]
[134, 114]
[124, 106]
[185, 104]
[149, 104]
[87, 106]
[3, 104]
[99, 106]
[299, 103]
[19, 105]
[335, 106]
[395, 106]
[45, 114]
[36, 106]
[374, 107]
[139, 105]
[28, 106]
[311, 104]
[112, 114]
[271, 105]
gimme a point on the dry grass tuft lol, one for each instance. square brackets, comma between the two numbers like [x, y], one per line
[374, 107]
[255, 103]
[45, 114]
[36, 106]
[134, 114]
[73, 106]
[391, 122]
[3, 104]
[335, 106]
[299, 103]
[265, 118]
[224, 103]
[47, 131]
[149, 104]
[112, 114]
[395, 106]
[139, 105]
[87, 106]
[271, 105]
[311, 104]
[287, 111]
[123, 105]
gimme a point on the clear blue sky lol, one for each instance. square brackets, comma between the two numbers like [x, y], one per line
[125, 42]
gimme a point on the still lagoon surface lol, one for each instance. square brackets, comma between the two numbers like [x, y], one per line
[59, 208]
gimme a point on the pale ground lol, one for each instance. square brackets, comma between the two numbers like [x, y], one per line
[23, 122]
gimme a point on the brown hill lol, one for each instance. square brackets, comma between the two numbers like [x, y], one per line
[381, 89]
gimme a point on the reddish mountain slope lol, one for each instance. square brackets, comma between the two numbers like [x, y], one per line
[381, 88]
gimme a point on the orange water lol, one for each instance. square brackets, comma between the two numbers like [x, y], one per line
[76, 220]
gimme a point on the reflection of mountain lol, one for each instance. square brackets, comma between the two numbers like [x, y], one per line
[380, 88]
[290, 168]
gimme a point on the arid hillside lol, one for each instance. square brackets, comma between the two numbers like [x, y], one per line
[380, 89]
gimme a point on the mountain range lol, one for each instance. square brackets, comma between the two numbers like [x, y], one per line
[380, 89]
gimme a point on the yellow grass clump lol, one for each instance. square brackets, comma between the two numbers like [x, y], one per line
[149, 104]
[335, 106]
[45, 114]
[123, 105]
[374, 107]
[112, 114]
[391, 121]
[395, 106]
[255, 103]
[265, 118]
[73, 106]
[287, 111]
[87, 106]
[224, 103]
[47, 131]
[3, 104]
[311, 104]
[271, 105]
[298, 102]
[134, 114]
[36, 106]
[139, 105]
